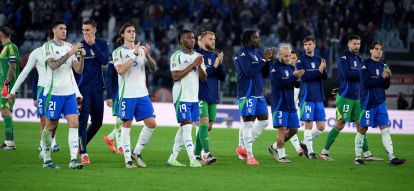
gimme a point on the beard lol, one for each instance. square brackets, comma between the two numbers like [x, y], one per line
[209, 47]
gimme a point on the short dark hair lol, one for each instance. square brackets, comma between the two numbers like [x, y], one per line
[56, 23]
[90, 22]
[247, 36]
[309, 38]
[293, 52]
[6, 31]
[353, 37]
[182, 32]
[374, 44]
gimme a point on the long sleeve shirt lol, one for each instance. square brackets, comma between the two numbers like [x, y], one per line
[283, 84]
[348, 75]
[311, 87]
[209, 90]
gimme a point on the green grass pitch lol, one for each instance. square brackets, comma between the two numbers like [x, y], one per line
[22, 170]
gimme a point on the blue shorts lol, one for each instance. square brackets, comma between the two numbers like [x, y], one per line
[187, 111]
[41, 101]
[252, 106]
[115, 105]
[374, 117]
[312, 111]
[141, 108]
[285, 119]
[61, 104]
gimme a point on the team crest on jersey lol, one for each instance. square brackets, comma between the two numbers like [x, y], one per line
[355, 64]
[313, 65]
[92, 53]
[287, 73]
[377, 72]
[209, 62]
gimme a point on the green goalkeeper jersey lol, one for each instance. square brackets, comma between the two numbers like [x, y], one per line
[9, 54]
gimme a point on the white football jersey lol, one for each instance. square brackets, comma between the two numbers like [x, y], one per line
[37, 60]
[132, 84]
[185, 89]
[61, 81]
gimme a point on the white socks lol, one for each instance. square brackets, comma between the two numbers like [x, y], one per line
[359, 141]
[143, 139]
[188, 141]
[295, 142]
[387, 142]
[247, 138]
[315, 133]
[73, 140]
[258, 128]
[178, 144]
[281, 152]
[54, 140]
[126, 143]
[308, 140]
[241, 143]
[46, 144]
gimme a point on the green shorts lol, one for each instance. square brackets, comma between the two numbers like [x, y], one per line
[4, 103]
[347, 109]
[208, 110]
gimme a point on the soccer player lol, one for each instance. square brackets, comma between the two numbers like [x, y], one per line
[37, 60]
[112, 100]
[10, 68]
[91, 86]
[208, 94]
[311, 94]
[284, 79]
[348, 105]
[187, 68]
[375, 79]
[294, 139]
[251, 67]
[61, 93]
[129, 61]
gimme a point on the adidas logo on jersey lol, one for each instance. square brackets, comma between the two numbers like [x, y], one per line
[363, 67]
[127, 56]
[242, 54]
[344, 57]
[273, 70]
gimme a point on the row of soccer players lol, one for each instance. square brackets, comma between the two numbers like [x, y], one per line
[187, 67]
[360, 83]
[58, 92]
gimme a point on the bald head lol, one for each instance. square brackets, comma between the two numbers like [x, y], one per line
[284, 54]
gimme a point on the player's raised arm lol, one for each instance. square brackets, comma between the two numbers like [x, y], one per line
[79, 65]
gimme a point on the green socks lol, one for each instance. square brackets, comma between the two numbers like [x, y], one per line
[8, 126]
[331, 137]
[365, 145]
[202, 141]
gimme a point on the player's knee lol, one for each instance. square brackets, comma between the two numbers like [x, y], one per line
[73, 124]
[5, 113]
[362, 130]
[340, 124]
[263, 123]
[293, 131]
[151, 124]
